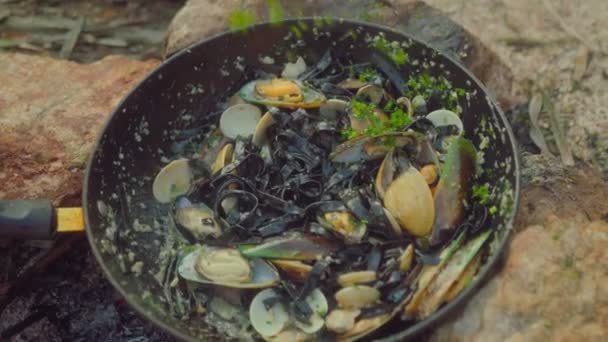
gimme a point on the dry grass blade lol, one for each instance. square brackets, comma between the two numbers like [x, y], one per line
[558, 132]
[534, 108]
[71, 39]
[581, 60]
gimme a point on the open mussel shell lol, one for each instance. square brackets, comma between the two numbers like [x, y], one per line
[410, 200]
[240, 120]
[295, 246]
[226, 267]
[282, 93]
[173, 180]
[437, 291]
[370, 148]
[293, 269]
[453, 187]
[428, 274]
[198, 219]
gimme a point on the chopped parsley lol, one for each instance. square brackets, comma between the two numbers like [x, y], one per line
[481, 193]
[427, 85]
[368, 75]
[392, 50]
[375, 125]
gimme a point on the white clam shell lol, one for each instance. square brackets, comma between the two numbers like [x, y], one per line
[267, 322]
[444, 117]
[240, 120]
[173, 180]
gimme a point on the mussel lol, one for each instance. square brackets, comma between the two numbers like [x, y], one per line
[226, 267]
[197, 219]
[375, 147]
[282, 93]
[294, 246]
[452, 190]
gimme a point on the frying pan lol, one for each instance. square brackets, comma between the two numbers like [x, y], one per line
[172, 109]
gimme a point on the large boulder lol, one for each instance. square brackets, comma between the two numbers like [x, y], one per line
[50, 114]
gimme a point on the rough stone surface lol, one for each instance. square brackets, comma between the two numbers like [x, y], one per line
[50, 114]
[200, 19]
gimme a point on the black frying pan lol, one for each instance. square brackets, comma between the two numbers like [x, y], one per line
[171, 108]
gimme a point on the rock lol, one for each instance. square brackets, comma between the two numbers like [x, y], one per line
[200, 19]
[554, 285]
[51, 112]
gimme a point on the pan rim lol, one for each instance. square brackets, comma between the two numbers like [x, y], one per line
[437, 317]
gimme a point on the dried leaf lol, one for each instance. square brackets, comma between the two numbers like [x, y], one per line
[534, 108]
[558, 133]
[71, 39]
[581, 61]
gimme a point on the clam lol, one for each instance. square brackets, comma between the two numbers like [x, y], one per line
[332, 108]
[409, 199]
[173, 180]
[318, 303]
[370, 148]
[240, 120]
[357, 277]
[267, 320]
[290, 247]
[357, 296]
[372, 93]
[293, 269]
[341, 321]
[344, 224]
[453, 186]
[444, 117]
[224, 158]
[198, 219]
[259, 136]
[282, 93]
[226, 267]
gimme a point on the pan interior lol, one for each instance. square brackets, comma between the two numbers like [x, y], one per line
[171, 109]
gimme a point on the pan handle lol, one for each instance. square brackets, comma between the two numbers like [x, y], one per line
[37, 220]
